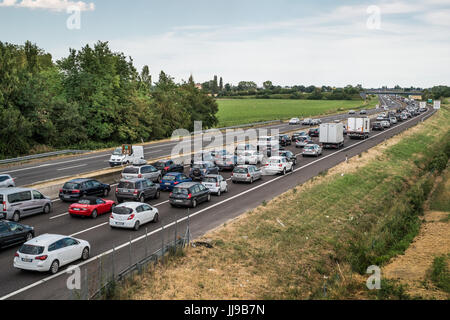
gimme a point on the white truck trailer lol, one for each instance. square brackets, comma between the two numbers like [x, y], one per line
[332, 135]
[358, 128]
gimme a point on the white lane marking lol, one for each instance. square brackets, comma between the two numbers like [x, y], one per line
[68, 168]
[178, 221]
[59, 216]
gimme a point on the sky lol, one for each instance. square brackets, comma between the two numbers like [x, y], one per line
[289, 42]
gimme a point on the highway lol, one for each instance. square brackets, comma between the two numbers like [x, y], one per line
[37, 172]
[21, 285]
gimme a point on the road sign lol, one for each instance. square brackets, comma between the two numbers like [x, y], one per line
[127, 149]
[437, 105]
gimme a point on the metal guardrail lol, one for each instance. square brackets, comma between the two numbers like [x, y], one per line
[42, 155]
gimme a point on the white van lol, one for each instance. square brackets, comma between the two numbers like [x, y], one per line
[135, 156]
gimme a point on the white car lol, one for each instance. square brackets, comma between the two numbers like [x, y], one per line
[386, 124]
[250, 157]
[294, 121]
[276, 165]
[6, 181]
[49, 252]
[216, 184]
[352, 112]
[132, 215]
[316, 122]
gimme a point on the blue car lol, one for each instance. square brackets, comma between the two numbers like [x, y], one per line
[170, 180]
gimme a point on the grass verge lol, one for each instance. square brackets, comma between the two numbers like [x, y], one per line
[316, 242]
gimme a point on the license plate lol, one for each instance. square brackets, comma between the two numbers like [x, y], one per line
[27, 260]
[76, 209]
[178, 201]
[120, 223]
[167, 184]
[66, 197]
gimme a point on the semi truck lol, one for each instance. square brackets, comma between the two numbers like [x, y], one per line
[331, 135]
[358, 128]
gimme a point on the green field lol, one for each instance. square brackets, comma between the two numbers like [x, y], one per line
[242, 111]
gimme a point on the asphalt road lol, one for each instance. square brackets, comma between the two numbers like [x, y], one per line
[32, 173]
[21, 285]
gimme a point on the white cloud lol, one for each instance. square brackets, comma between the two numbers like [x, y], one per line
[53, 5]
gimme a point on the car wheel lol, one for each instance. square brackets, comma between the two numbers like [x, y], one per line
[105, 193]
[29, 236]
[158, 194]
[54, 267]
[47, 209]
[226, 189]
[136, 226]
[194, 203]
[94, 214]
[251, 181]
[156, 218]
[142, 199]
[219, 193]
[16, 216]
[284, 171]
[209, 198]
[85, 254]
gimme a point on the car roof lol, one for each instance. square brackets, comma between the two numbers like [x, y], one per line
[132, 180]
[187, 185]
[175, 174]
[131, 205]
[8, 191]
[212, 176]
[46, 239]
[80, 180]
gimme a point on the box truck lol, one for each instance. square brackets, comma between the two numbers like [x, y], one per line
[358, 128]
[331, 135]
[127, 154]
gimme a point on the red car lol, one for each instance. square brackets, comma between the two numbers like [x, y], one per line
[91, 207]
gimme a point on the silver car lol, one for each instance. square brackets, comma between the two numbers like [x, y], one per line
[6, 181]
[246, 174]
[303, 141]
[312, 150]
[138, 172]
[17, 203]
[216, 184]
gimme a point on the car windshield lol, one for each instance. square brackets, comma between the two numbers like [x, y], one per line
[71, 186]
[126, 185]
[309, 147]
[31, 250]
[4, 178]
[131, 170]
[160, 164]
[274, 161]
[240, 170]
[118, 152]
[210, 179]
[84, 201]
[122, 210]
[180, 191]
[169, 178]
[199, 166]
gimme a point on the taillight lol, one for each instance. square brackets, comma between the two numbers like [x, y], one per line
[4, 205]
[167, 168]
[217, 185]
[16, 255]
[280, 165]
[190, 196]
[140, 176]
[76, 191]
[248, 175]
[160, 181]
[131, 217]
[60, 190]
[117, 190]
[41, 258]
[171, 194]
[176, 183]
[111, 216]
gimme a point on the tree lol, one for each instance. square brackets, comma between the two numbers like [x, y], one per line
[268, 85]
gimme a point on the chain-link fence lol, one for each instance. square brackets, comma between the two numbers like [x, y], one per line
[100, 277]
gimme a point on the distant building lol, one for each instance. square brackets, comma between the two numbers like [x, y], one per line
[415, 97]
[199, 86]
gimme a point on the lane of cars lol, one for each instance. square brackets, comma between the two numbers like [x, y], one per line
[184, 191]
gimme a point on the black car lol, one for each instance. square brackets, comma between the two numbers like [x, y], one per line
[398, 117]
[137, 190]
[201, 169]
[285, 140]
[377, 126]
[189, 194]
[74, 190]
[12, 233]
[314, 132]
[166, 166]
[297, 135]
[289, 155]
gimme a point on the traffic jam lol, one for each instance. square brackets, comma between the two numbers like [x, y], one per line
[146, 192]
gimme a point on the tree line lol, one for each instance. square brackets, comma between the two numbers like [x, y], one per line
[92, 98]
